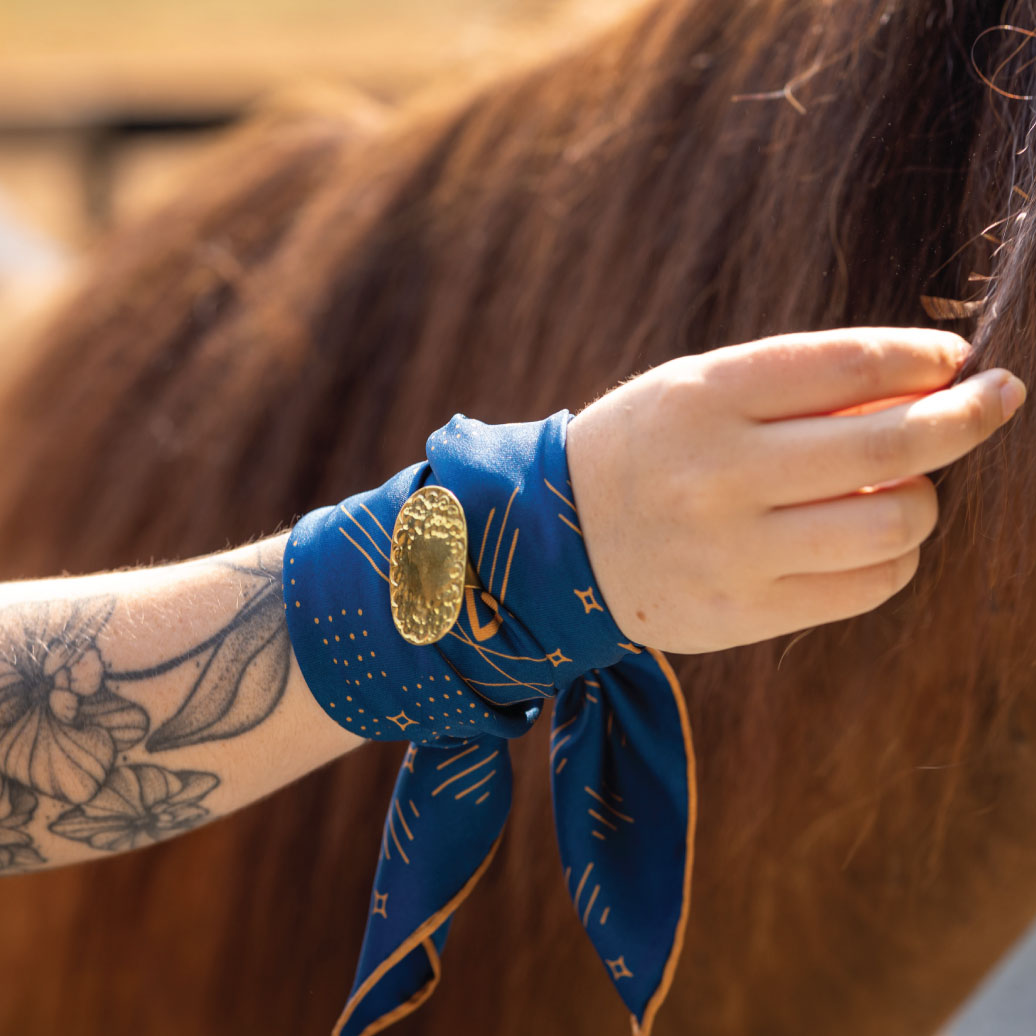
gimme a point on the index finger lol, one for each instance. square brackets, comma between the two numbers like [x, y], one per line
[803, 375]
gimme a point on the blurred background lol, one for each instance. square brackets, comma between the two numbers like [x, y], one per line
[105, 105]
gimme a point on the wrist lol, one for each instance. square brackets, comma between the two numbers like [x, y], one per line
[525, 538]
[599, 498]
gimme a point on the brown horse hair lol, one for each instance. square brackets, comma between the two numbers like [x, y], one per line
[291, 328]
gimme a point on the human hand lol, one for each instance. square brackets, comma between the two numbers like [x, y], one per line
[728, 498]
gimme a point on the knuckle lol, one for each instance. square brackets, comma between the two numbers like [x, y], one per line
[885, 448]
[862, 361]
[977, 417]
[782, 352]
[675, 392]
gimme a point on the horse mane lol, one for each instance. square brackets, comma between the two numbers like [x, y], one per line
[289, 331]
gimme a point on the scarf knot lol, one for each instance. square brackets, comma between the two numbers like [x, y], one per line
[537, 628]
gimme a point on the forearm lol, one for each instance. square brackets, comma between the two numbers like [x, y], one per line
[136, 705]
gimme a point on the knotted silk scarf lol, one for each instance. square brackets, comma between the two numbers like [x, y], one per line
[621, 763]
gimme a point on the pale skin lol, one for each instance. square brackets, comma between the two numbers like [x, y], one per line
[761, 510]
[173, 695]
[136, 705]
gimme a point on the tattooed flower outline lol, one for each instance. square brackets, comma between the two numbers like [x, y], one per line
[139, 804]
[61, 727]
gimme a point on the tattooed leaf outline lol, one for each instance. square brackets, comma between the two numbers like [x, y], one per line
[241, 680]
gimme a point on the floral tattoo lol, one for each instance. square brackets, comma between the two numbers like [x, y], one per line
[64, 726]
[60, 725]
[137, 805]
[17, 805]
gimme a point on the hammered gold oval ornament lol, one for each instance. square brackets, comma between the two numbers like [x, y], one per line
[428, 564]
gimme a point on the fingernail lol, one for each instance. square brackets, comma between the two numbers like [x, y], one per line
[1012, 395]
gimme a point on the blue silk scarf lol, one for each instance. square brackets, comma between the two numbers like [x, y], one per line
[622, 767]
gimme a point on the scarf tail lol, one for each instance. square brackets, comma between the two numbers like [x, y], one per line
[625, 810]
[442, 829]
